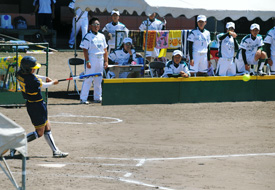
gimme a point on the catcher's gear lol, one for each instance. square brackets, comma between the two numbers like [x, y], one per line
[28, 63]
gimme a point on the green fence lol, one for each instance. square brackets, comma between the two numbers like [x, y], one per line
[190, 90]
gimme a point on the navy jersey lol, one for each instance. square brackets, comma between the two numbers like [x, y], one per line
[30, 86]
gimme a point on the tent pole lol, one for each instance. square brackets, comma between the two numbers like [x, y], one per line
[145, 49]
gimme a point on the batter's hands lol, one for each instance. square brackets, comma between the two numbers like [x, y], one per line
[192, 62]
[55, 81]
[247, 67]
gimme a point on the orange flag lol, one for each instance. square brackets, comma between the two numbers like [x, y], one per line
[151, 41]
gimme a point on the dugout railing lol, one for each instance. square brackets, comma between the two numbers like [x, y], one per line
[10, 57]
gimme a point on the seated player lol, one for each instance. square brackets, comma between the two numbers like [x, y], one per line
[124, 55]
[176, 67]
[251, 53]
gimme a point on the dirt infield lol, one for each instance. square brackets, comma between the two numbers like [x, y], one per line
[172, 147]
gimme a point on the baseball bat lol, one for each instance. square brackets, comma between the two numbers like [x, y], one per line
[82, 76]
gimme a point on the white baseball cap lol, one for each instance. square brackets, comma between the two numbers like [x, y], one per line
[177, 52]
[115, 12]
[253, 26]
[202, 18]
[230, 24]
[127, 40]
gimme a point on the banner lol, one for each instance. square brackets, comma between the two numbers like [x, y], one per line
[151, 41]
[162, 39]
[174, 39]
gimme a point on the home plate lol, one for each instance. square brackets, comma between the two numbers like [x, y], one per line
[52, 165]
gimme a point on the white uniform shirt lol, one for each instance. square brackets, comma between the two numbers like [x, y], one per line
[112, 29]
[270, 39]
[78, 10]
[95, 44]
[226, 46]
[250, 45]
[171, 69]
[200, 40]
[44, 5]
[155, 25]
[122, 58]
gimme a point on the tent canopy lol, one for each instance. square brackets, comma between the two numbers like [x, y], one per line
[234, 9]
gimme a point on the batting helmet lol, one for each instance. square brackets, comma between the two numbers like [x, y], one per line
[28, 63]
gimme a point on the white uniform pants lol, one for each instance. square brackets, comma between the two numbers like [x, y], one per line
[272, 68]
[226, 67]
[81, 23]
[200, 63]
[96, 67]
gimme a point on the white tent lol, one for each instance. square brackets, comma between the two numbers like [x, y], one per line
[235, 9]
[12, 136]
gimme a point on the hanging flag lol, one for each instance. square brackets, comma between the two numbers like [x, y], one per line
[162, 39]
[151, 41]
[174, 39]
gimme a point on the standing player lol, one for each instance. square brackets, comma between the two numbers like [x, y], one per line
[96, 56]
[110, 31]
[153, 24]
[270, 49]
[227, 46]
[80, 20]
[30, 85]
[250, 52]
[199, 40]
[176, 67]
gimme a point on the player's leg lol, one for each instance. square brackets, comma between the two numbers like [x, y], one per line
[231, 69]
[203, 65]
[85, 90]
[240, 66]
[272, 67]
[261, 61]
[194, 69]
[50, 140]
[221, 68]
[97, 89]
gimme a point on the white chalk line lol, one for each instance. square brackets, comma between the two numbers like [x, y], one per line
[113, 120]
[141, 161]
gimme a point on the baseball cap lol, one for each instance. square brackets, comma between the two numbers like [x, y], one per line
[230, 24]
[253, 26]
[177, 52]
[127, 40]
[115, 12]
[202, 18]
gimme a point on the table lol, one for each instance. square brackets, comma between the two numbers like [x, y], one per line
[117, 69]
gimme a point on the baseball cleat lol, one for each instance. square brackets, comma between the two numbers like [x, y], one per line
[84, 102]
[59, 154]
[261, 73]
[97, 101]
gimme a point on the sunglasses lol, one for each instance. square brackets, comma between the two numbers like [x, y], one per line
[128, 44]
[95, 24]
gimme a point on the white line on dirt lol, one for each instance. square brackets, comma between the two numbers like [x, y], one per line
[112, 120]
[141, 161]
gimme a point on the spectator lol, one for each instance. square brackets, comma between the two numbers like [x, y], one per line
[227, 45]
[153, 24]
[80, 20]
[124, 55]
[270, 49]
[176, 67]
[45, 10]
[110, 31]
[251, 53]
[96, 56]
[198, 41]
